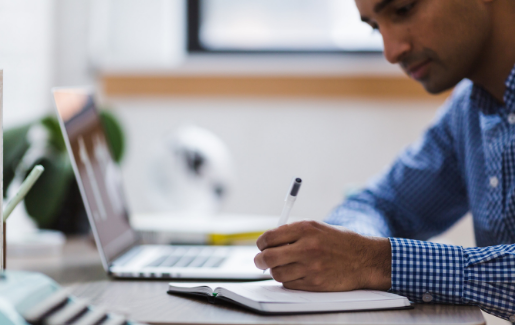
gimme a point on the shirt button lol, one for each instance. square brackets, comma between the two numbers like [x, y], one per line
[427, 297]
[494, 181]
[511, 118]
[512, 318]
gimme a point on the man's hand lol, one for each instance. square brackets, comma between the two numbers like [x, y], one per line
[313, 256]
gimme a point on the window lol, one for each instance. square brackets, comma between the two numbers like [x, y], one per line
[279, 26]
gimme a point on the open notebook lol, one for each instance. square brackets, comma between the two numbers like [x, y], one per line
[271, 297]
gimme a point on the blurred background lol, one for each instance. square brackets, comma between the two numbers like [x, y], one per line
[292, 88]
[289, 88]
[296, 88]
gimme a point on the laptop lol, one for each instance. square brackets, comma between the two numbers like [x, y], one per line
[100, 185]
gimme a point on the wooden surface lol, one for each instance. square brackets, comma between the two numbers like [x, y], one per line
[375, 87]
[78, 262]
[147, 301]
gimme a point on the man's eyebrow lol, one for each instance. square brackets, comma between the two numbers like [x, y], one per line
[381, 5]
[377, 9]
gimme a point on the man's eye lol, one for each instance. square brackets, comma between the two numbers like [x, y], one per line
[404, 10]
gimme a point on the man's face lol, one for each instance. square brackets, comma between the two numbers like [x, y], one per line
[436, 42]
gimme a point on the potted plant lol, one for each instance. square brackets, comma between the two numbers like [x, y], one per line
[54, 202]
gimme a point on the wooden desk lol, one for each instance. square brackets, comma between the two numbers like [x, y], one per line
[147, 301]
[79, 262]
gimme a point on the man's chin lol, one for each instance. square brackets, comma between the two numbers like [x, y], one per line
[435, 88]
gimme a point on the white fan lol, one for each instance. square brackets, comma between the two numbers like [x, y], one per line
[191, 172]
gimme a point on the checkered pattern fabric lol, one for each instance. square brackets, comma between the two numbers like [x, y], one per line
[464, 162]
[430, 272]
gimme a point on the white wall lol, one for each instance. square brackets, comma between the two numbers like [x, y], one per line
[137, 34]
[72, 63]
[92, 36]
[46, 43]
[26, 52]
[329, 143]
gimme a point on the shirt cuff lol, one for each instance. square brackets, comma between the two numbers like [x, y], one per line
[489, 279]
[427, 272]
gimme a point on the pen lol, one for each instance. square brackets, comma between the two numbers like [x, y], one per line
[291, 196]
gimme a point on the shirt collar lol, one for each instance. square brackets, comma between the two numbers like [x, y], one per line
[484, 101]
[487, 103]
[509, 95]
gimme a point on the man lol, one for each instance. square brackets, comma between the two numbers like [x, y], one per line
[464, 162]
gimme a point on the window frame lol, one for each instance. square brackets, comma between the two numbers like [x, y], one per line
[194, 45]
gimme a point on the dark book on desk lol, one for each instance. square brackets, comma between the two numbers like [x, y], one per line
[271, 297]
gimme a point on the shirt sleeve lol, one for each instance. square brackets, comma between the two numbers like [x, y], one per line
[421, 195]
[428, 272]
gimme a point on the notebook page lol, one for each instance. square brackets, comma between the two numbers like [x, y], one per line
[194, 287]
[274, 292]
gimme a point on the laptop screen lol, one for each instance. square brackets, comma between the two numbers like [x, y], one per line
[98, 176]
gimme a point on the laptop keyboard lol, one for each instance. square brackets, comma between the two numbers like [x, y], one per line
[199, 257]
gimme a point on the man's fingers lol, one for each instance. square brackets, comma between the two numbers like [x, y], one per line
[276, 256]
[298, 284]
[286, 234]
[289, 272]
[310, 283]
[277, 237]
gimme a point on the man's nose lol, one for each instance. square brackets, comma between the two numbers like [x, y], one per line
[396, 45]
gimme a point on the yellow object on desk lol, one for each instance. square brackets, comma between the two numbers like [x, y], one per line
[227, 229]
[245, 238]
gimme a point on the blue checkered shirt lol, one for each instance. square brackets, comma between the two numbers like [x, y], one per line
[464, 162]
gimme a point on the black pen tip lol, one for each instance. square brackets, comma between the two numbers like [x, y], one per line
[296, 186]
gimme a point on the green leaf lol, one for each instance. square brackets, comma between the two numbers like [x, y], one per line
[56, 138]
[15, 146]
[44, 201]
[114, 134]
